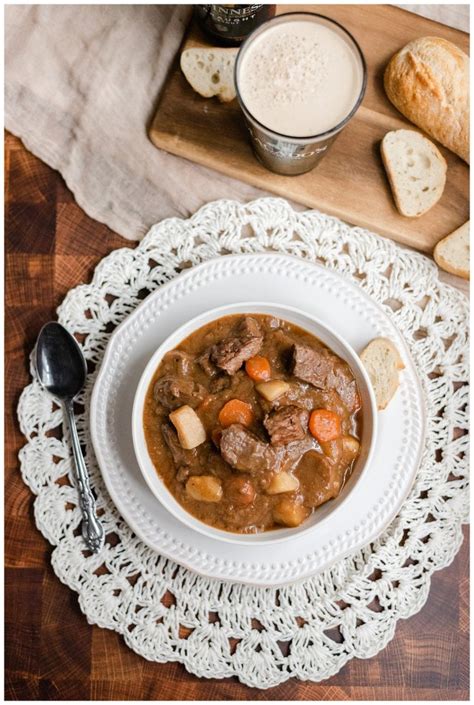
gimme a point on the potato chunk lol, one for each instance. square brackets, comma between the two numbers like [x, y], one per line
[289, 513]
[272, 390]
[283, 482]
[350, 445]
[191, 432]
[204, 488]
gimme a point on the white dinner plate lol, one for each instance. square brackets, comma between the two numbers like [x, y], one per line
[341, 305]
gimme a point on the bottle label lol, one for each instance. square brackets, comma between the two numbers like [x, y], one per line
[231, 14]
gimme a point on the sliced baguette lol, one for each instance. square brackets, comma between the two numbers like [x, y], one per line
[452, 252]
[416, 171]
[210, 71]
[382, 361]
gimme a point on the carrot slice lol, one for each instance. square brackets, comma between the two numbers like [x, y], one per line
[236, 411]
[258, 368]
[325, 425]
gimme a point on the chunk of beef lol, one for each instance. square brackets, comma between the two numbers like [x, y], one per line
[182, 362]
[311, 365]
[173, 392]
[345, 385]
[286, 424]
[324, 370]
[233, 352]
[218, 384]
[181, 457]
[245, 342]
[245, 451]
[249, 328]
[206, 363]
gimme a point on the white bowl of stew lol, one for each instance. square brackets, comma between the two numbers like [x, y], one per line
[253, 422]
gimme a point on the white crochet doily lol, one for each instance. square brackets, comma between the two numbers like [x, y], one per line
[264, 636]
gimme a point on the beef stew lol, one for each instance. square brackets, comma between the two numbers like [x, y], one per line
[252, 423]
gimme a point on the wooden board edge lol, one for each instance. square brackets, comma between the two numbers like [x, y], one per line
[180, 148]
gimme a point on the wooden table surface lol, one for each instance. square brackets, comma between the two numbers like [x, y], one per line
[51, 651]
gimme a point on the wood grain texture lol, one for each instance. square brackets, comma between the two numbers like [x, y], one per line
[52, 653]
[350, 182]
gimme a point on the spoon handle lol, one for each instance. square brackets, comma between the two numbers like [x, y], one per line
[92, 530]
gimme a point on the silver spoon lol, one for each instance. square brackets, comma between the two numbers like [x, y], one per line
[62, 372]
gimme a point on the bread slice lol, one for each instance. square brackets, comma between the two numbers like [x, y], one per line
[210, 71]
[452, 252]
[382, 361]
[416, 171]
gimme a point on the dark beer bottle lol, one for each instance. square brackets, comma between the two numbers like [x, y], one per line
[231, 24]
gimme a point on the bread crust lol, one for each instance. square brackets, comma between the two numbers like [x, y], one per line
[444, 263]
[428, 81]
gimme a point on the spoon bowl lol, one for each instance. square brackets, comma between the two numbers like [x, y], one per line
[59, 361]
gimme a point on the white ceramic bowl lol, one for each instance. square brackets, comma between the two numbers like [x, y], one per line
[321, 331]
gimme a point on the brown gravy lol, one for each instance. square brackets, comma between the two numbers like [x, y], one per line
[276, 439]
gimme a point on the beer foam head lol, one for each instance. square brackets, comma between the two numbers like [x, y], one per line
[300, 77]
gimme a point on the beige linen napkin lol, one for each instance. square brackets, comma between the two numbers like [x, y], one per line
[453, 15]
[81, 85]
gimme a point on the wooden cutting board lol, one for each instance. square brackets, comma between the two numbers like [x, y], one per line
[350, 181]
